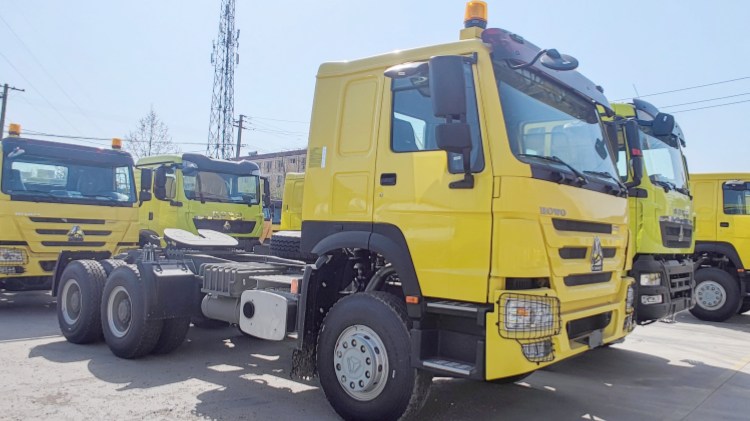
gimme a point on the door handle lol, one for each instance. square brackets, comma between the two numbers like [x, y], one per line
[724, 224]
[388, 179]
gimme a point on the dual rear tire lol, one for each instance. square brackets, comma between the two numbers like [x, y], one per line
[107, 299]
[717, 295]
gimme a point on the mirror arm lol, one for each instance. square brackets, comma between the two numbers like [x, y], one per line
[529, 64]
[468, 181]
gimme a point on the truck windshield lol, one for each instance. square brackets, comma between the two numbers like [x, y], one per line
[212, 186]
[38, 178]
[543, 119]
[664, 164]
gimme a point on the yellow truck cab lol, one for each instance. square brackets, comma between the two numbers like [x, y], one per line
[192, 191]
[468, 218]
[722, 244]
[58, 197]
[651, 164]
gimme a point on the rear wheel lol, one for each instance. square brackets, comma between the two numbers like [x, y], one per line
[79, 296]
[173, 334]
[111, 264]
[717, 295]
[126, 330]
[364, 359]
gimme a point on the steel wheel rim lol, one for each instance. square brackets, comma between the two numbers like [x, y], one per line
[119, 312]
[360, 362]
[71, 302]
[710, 295]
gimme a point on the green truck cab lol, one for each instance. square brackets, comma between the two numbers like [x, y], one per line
[192, 192]
[652, 166]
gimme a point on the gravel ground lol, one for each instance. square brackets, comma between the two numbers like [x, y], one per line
[685, 370]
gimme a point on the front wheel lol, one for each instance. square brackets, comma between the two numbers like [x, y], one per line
[127, 331]
[717, 295]
[364, 361]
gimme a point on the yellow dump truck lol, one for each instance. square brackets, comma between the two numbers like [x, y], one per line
[722, 244]
[467, 219]
[57, 198]
[651, 164]
[192, 192]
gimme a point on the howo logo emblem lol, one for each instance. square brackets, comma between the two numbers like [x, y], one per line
[597, 256]
[76, 234]
[227, 226]
[354, 365]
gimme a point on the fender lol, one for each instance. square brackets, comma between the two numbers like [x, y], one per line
[66, 257]
[726, 249]
[319, 237]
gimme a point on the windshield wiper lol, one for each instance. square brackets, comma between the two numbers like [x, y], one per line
[581, 177]
[102, 196]
[684, 191]
[666, 185]
[605, 174]
[38, 192]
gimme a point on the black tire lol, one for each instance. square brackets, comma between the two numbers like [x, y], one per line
[710, 285]
[745, 307]
[111, 264]
[79, 296]
[402, 389]
[126, 330]
[173, 333]
[286, 244]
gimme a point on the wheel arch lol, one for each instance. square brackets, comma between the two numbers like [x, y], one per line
[67, 256]
[719, 248]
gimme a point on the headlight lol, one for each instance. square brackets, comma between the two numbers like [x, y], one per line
[651, 299]
[12, 256]
[528, 315]
[650, 279]
[630, 299]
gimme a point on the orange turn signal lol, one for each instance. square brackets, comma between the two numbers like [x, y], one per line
[412, 299]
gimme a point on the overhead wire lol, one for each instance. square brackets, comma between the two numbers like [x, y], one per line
[686, 88]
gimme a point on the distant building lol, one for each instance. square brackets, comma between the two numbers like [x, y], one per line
[275, 165]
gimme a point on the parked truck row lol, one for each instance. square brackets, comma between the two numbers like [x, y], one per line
[475, 209]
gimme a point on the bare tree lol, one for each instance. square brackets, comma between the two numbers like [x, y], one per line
[151, 137]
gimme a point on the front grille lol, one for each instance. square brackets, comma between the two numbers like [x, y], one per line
[65, 232]
[582, 327]
[587, 279]
[580, 252]
[680, 285]
[581, 226]
[235, 227]
[73, 244]
[670, 234]
[67, 220]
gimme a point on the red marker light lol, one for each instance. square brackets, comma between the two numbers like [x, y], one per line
[636, 152]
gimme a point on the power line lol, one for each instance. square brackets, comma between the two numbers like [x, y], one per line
[37, 91]
[688, 88]
[44, 69]
[706, 100]
[711, 106]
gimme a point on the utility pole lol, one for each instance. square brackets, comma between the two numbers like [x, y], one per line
[5, 104]
[240, 127]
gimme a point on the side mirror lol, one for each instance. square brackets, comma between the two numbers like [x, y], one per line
[552, 59]
[632, 135]
[448, 93]
[144, 196]
[160, 183]
[663, 124]
[147, 175]
[448, 86]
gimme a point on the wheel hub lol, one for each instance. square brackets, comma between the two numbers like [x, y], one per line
[710, 295]
[119, 312]
[361, 362]
[71, 302]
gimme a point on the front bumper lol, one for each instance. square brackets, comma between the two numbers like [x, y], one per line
[676, 288]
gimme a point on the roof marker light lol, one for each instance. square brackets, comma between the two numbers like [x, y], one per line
[476, 14]
[14, 130]
[116, 143]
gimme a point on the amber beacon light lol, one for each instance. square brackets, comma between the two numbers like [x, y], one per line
[476, 14]
[116, 143]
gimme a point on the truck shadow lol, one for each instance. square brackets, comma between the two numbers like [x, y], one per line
[29, 308]
[738, 322]
[249, 379]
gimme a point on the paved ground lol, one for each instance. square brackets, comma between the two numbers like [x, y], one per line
[687, 370]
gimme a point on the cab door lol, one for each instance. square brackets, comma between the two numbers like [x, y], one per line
[447, 230]
[734, 216]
